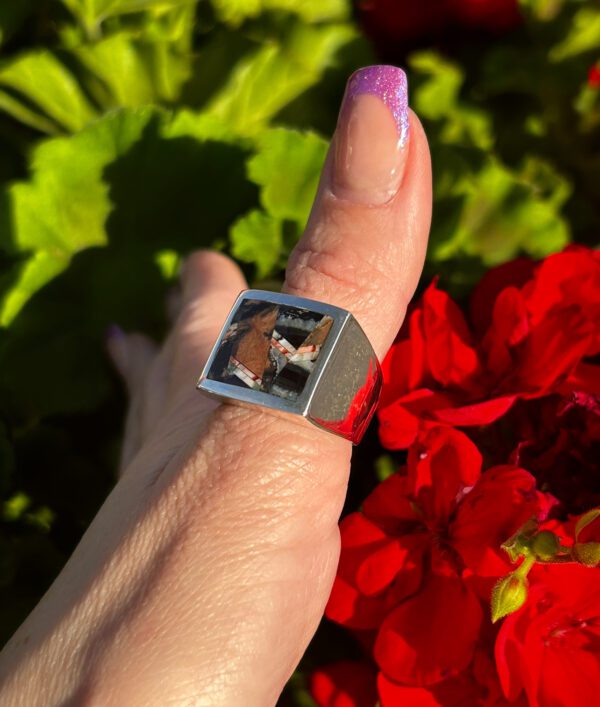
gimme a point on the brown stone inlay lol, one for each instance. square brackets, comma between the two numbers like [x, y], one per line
[253, 347]
[271, 348]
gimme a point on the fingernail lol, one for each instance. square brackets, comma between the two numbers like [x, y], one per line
[114, 331]
[116, 345]
[372, 136]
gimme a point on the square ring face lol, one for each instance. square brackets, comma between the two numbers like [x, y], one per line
[272, 348]
[275, 345]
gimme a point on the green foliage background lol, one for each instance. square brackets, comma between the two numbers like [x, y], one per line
[134, 131]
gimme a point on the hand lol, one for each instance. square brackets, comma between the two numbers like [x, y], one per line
[205, 574]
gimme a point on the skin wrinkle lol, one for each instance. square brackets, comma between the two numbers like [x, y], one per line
[377, 260]
[243, 550]
[193, 542]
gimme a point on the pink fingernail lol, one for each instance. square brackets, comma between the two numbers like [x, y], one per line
[372, 135]
[390, 85]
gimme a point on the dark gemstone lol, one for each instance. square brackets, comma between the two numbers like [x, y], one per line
[271, 348]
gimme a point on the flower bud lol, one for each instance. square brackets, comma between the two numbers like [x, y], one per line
[546, 545]
[519, 545]
[587, 553]
[508, 595]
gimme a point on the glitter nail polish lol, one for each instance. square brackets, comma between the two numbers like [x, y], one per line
[390, 85]
[372, 136]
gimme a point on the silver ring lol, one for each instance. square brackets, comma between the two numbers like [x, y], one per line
[295, 357]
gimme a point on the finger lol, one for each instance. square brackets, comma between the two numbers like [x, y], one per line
[210, 284]
[136, 358]
[132, 355]
[365, 242]
[161, 382]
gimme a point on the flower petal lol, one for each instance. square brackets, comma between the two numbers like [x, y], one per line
[431, 635]
[514, 273]
[347, 605]
[346, 683]
[503, 499]
[451, 356]
[482, 413]
[389, 507]
[440, 465]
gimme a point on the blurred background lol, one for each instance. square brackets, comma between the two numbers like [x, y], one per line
[134, 131]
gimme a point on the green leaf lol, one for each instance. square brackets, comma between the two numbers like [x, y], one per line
[91, 13]
[257, 238]
[63, 208]
[385, 467]
[298, 156]
[118, 63]
[21, 283]
[436, 97]
[262, 84]
[26, 115]
[44, 81]
[137, 176]
[236, 11]
[584, 36]
[503, 213]
[437, 92]
[542, 10]
[93, 235]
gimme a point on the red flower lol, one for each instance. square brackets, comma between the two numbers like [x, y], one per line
[559, 443]
[355, 683]
[478, 685]
[409, 561]
[492, 15]
[594, 76]
[530, 331]
[398, 21]
[346, 683]
[394, 23]
[550, 649]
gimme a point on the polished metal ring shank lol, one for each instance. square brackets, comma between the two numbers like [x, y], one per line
[295, 357]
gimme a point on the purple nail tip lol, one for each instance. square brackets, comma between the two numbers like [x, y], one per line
[114, 331]
[388, 83]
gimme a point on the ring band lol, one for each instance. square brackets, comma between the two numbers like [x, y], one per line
[298, 357]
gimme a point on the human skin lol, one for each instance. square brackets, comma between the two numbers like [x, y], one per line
[206, 571]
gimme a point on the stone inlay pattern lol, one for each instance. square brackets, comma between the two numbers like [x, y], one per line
[271, 348]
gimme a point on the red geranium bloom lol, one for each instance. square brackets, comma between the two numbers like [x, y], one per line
[409, 561]
[477, 686]
[530, 330]
[492, 15]
[550, 649]
[393, 24]
[594, 76]
[345, 683]
[560, 445]
[355, 683]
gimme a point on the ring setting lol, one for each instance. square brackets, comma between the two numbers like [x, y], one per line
[295, 357]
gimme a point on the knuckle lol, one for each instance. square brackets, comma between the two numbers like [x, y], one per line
[330, 274]
[336, 258]
[275, 468]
